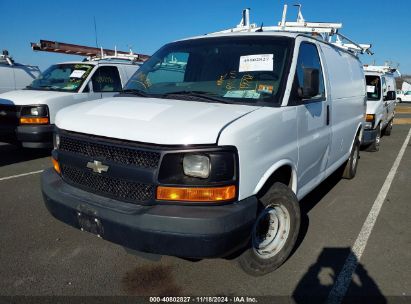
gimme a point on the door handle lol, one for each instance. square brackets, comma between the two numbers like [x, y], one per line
[328, 115]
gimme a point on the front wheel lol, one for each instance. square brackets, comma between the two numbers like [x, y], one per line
[375, 146]
[351, 166]
[399, 100]
[388, 128]
[274, 233]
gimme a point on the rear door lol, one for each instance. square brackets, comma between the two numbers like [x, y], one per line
[314, 132]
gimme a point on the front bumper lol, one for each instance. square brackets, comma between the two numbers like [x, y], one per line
[40, 136]
[183, 231]
[369, 136]
[8, 134]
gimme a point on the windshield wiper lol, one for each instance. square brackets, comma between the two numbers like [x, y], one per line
[135, 92]
[199, 95]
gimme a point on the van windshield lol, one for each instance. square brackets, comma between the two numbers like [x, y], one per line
[66, 77]
[373, 87]
[247, 70]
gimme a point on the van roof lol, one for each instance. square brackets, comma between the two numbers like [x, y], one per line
[292, 35]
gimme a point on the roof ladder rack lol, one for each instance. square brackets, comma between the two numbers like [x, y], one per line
[326, 30]
[92, 53]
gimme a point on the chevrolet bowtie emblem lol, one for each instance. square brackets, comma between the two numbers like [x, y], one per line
[97, 166]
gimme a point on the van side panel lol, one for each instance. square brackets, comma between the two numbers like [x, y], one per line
[265, 139]
[24, 75]
[347, 100]
[6, 79]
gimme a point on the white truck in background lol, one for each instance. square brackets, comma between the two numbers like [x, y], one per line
[28, 115]
[381, 100]
[13, 75]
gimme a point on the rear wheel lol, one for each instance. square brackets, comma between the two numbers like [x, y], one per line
[388, 128]
[274, 233]
[399, 100]
[351, 166]
[375, 146]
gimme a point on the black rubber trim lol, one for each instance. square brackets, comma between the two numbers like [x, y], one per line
[184, 231]
[36, 134]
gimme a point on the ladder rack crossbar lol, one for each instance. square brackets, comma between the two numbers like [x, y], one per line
[325, 30]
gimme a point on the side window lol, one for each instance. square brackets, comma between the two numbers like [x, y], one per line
[309, 61]
[106, 79]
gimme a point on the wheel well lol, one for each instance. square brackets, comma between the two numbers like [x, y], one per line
[282, 175]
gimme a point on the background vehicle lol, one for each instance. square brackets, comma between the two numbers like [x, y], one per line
[29, 113]
[14, 76]
[381, 99]
[211, 146]
[404, 96]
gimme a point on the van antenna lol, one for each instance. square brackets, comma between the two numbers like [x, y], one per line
[95, 31]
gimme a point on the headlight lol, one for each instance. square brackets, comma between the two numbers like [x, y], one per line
[34, 115]
[37, 111]
[196, 165]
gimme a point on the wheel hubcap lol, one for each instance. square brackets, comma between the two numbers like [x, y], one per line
[271, 231]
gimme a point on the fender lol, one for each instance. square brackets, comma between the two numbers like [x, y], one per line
[359, 129]
[274, 168]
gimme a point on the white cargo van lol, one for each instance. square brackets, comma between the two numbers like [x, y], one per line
[381, 100]
[210, 149]
[13, 75]
[27, 116]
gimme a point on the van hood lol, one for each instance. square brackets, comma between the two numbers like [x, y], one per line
[151, 120]
[30, 97]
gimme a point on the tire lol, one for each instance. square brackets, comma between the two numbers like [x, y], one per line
[399, 100]
[351, 165]
[275, 231]
[388, 128]
[375, 146]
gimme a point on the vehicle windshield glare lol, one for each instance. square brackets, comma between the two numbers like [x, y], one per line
[373, 87]
[246, 70]
[62, 77]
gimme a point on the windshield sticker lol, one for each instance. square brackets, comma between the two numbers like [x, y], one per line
[245, 82]
[230, 82]
[242, 94]
[77, 74]
[370, 89]
[264, 88]
[250, 63]
[220, 81]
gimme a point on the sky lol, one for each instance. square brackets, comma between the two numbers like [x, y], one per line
[147, 25]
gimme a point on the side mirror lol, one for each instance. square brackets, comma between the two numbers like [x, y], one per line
[311, 84]
[390, 96]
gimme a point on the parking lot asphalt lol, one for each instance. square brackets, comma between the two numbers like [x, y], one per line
[41, 256]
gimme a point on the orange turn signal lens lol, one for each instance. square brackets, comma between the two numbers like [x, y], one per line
[56, 165]
[369, 117]
[215, 194]
[34, 120]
